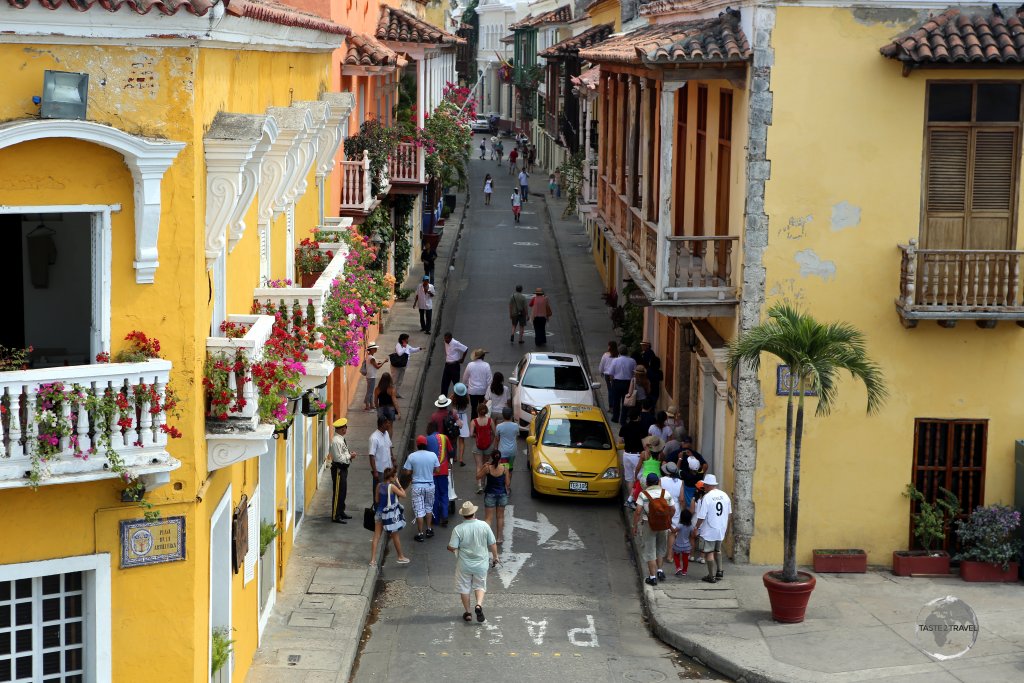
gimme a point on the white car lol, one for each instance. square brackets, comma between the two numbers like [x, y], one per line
[481, 125]
[544, 378]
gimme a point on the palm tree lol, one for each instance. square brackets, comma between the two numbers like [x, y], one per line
[815, 353]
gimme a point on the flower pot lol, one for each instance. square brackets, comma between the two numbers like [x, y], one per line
[788, 600]
[919, 562]
[972, 570]
[841, 561]
[309, 279]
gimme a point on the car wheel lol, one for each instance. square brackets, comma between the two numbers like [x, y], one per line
[534, 493]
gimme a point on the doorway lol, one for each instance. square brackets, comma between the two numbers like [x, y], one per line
[220, 572]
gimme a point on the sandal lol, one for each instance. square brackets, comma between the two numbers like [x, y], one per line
[480, 613]
[466, 616]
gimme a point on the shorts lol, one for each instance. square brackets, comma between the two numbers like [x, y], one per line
[495, 500]
[629, 461]
[422, 499]
[519, 320]
[706, 546]
[465, 582]
[654, 544]
[516, 210]
[509, 460]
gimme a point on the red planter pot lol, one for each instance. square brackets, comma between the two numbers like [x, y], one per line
[971, 570]
[309, 279]
[788, 600]
[853, 561]
[919, 562]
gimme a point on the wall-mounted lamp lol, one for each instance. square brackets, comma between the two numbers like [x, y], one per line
[65, 95]
[690, 337]
[375, 239]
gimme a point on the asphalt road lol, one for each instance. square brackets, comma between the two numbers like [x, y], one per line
[565, 604]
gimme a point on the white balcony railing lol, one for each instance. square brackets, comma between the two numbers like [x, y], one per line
[250, 345]
[356, 186]
[407, 164]
[590, 186]
[86, 424]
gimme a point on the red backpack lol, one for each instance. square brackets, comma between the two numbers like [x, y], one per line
[484, 435]
[659, 512]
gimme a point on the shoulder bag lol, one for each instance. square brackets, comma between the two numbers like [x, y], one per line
[398, 360]
[630, 399]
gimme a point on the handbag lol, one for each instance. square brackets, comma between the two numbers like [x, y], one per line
[630, 399]
[392, 515]
[369, 522]
[362, 368]
[398, 360]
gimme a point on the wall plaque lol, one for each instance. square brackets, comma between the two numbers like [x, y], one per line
[145, 542]
[783, 381]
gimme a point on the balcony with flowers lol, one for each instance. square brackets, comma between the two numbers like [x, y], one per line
[79, 423]
[365, 174]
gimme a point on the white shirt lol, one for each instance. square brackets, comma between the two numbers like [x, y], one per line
[425, 299]
[380, 450]
[665, 433]
[371, 367]
[497, 402]
[714, 509]
[605, 366]
[477, 377]
[454, 350]
[622, 368]
[674, 488]
[406, 350]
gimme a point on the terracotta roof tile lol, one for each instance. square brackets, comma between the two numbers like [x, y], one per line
[709, 40]
[561, 15]
[571, 47]
[364, 50]
[954, 37]
[398, 26]
[589, 79]
[258, 10]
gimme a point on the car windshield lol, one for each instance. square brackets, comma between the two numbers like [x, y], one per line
[569, 433]
[557, 377]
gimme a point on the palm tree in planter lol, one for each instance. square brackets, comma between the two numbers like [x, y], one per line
[816, 353]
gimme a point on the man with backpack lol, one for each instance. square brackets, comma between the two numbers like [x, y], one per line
[651, 522]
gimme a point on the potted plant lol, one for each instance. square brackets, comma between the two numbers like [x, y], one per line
[930, 524]
[815, 354]
[220, 652]
[840, 561]
[311, 261]
[991, 546]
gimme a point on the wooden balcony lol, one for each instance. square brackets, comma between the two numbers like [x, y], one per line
[697, 277]
[407, 169]
[950, 285]
[133, 433]
[357, 200]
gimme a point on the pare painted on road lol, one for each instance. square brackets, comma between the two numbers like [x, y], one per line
[536, 630]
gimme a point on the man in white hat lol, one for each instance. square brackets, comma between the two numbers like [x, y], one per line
[711, 526]
[471, 542]
[341, 458]
[477, 377]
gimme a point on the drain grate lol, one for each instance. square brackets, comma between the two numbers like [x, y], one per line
[293, 659]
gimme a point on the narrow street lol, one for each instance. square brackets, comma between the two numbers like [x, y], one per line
[565, 604]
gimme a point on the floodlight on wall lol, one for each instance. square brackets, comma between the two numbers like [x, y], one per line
[65, 95]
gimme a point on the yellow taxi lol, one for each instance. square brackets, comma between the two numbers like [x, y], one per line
[572, 453]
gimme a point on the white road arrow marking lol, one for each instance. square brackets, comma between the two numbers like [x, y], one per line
[542, 527]
[574, 542]
[511, 563]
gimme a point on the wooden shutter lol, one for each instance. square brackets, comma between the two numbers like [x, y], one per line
[699, 160]
[254, 537]
[722, 178]
[990, 217]
[946, 163]
[682, 109]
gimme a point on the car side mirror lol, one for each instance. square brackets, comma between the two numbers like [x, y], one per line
[621, 445]
[595, 385]
[513, 381]
[531, 440]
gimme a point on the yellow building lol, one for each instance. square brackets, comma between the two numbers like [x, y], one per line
[846, 159]
[158, 196]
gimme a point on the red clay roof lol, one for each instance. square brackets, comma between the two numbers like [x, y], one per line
[364, 50]
[560, 15]
[258, 10]
[401, 27]
[589, 79]
[571, 47]
[953, 37]
[706, 41]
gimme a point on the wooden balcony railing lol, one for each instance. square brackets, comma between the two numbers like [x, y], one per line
[74, 396]
[407, 164]
[947, 285]
[356, 186]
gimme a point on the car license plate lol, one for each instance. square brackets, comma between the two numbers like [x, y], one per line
[577, 486]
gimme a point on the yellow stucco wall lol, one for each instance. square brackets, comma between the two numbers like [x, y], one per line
[605, 12]
[846, 132]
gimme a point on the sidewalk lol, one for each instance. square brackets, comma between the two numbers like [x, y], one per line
[316, 626]
[859, 627]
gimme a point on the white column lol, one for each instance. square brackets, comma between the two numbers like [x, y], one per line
[220, 294]
[421, 101]
[668, 126]
[289, 247]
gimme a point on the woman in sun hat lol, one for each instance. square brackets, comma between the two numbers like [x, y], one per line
[460, 402]
[649, 464]
[371, 365]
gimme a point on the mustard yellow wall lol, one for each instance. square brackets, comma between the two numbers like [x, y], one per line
[606, 12]
[847, 127]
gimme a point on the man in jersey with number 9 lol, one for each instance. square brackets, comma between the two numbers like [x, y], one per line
[712, 522]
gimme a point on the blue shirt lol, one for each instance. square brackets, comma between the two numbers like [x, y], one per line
[508, 432]
[422, 464]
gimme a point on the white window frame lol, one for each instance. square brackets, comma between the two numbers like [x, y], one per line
[223, 508]
[95, 604]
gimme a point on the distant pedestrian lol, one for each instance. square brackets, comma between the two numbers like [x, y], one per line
[370, 367]
[646, 354]
[428, 254]
[389, 515]
[659, 428]
[454, 353]
[681, 544]
[460, 402]
[622, 368]
[518, 310]
[483, 149]
[692, 467]
[424, 466]
[531, 156]
[482, 430]
[400, 360]
[655, 376]
[552, 185]
[508, 439]
[381, 455]
[540, 311]
[671, 482]
[711, 527]
[439, 445]
[524, 185]
[477, 377]
[512, 157]
[497, 479]
[497, 395]
[632, 434]
[604, 367]
[517, 204]
[341, 458]
[500, 149]
[488, 189]
[651, 522]
[424, 303]
[471, 542]
[385, 400]
[649, 464]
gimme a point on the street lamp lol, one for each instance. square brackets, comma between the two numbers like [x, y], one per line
[690, 337]
[375, 239]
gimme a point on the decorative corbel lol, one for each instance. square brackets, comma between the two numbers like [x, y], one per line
[250, 182]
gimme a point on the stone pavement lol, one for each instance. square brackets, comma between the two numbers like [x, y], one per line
[859, 627]
[316, 626]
